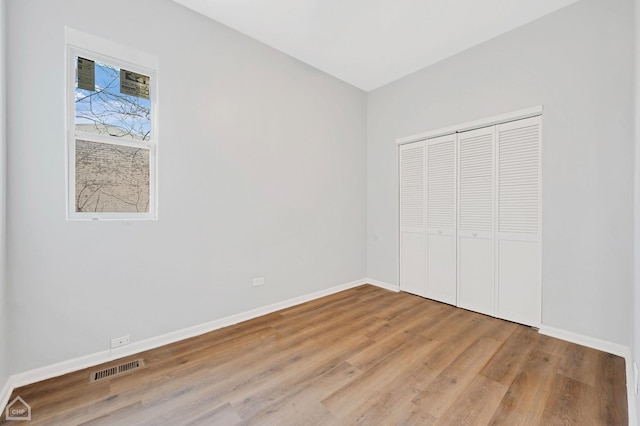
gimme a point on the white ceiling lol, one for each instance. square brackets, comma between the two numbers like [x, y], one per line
[369, 43]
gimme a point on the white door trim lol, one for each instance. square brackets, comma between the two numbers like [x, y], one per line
[475, 124]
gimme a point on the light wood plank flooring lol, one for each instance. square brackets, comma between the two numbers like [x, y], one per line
[364, 355]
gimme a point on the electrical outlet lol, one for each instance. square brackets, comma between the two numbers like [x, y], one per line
[258, 281]
[120, 341]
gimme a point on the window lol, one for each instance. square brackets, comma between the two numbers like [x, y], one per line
[112, 133]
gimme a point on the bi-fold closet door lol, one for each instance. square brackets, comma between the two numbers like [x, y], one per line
[476, 220]
[470, 220]
[428, 218]
[412, 215]
[441, 219]
[518, 235]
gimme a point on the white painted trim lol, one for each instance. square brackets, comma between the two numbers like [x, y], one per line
[109, 48]
[78, 43]
[631, 392]
[5, 394]
[64, 367]
[399, 221]
[382, 284]
[581, 339]
[471, 125]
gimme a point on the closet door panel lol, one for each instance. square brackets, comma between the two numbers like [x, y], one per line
[518, 221]
[476, 274]
[441, 268]
[412, 264]
[476, 220]
[518, 278]
[412, 218]
[441, 219]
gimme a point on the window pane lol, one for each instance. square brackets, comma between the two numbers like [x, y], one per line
[107, 104]
[111, 178]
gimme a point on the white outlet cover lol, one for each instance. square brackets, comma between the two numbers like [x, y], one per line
[120, 341]
[258, 281]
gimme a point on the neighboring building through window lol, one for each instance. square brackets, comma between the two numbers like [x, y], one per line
[112, 135]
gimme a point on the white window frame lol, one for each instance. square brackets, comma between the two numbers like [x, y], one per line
[101, 50]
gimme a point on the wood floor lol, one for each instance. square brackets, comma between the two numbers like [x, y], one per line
[365, 356]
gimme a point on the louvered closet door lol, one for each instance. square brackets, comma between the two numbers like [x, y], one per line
[475, 220]
[441, 219]
[518, 233]
[412, 218]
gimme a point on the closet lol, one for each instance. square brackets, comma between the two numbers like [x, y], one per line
[470, 218]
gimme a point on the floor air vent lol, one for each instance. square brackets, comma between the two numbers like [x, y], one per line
[116, 370]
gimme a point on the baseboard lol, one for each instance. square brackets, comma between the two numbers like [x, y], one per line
[382, 284]
[631, 391]
[581, 339]
[5, 394]
[58, 369]
[605, 346]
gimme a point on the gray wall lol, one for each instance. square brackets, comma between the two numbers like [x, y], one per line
[262, 173]
[578, 63]
[4, 317]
